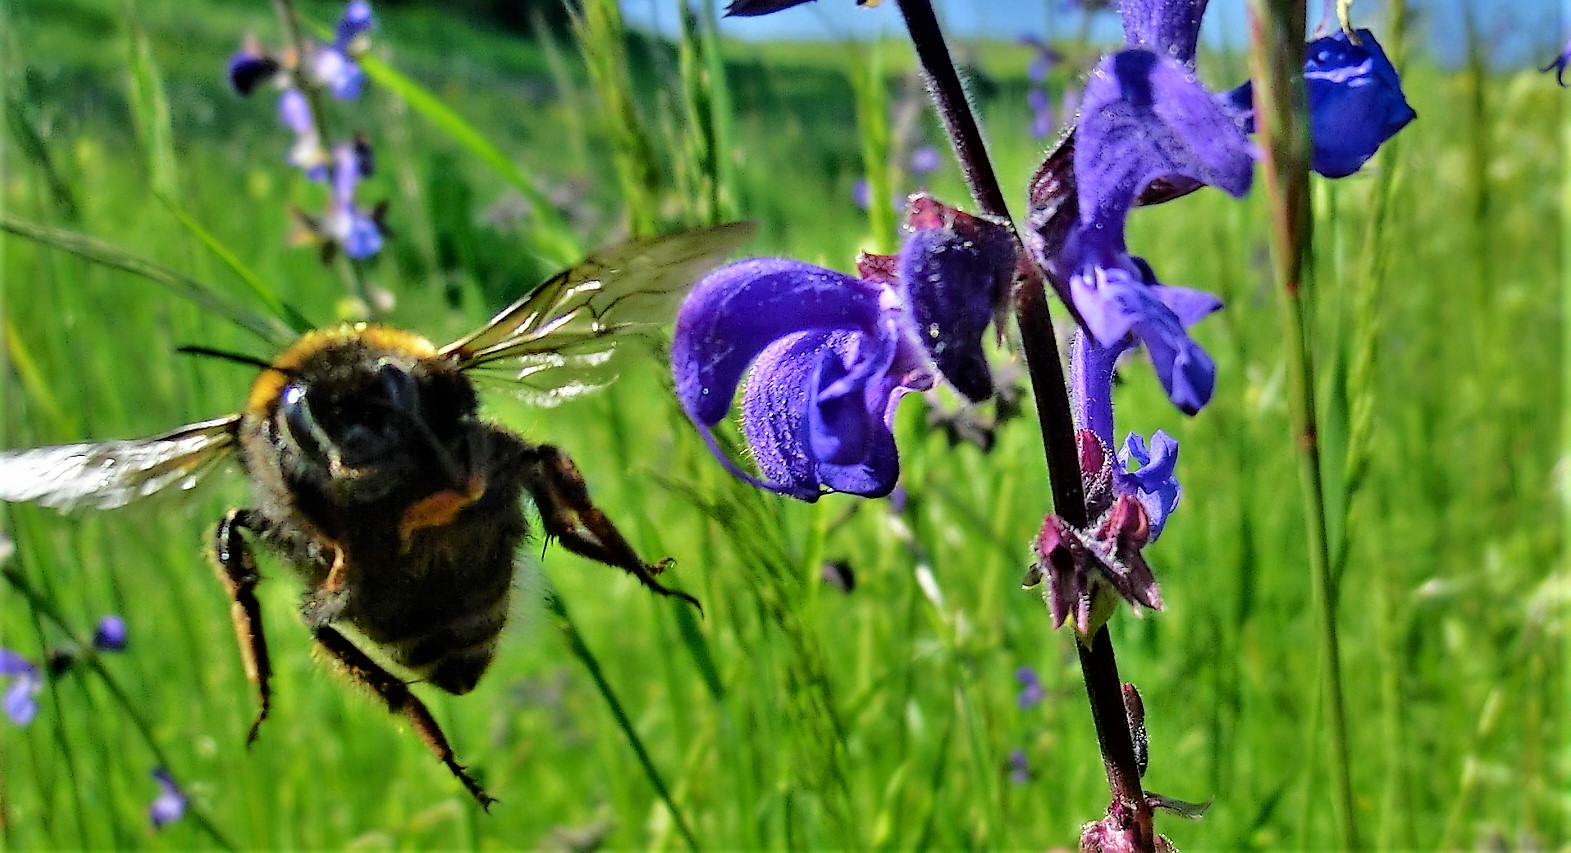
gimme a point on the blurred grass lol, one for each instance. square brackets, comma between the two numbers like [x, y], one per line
[793, 715]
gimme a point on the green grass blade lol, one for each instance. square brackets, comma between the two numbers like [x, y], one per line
[267, 294]
[550, 231]
[150, 108]
[581, 651]
[200, 293]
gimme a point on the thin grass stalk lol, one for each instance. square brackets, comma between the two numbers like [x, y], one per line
[603, 38]
[1098, 664]
[580, 650]
[870, 95]
[41, 606]
[1276, 52]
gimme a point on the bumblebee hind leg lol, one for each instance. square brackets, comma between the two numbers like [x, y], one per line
[237, 571]
[400, 700]
[568, 514]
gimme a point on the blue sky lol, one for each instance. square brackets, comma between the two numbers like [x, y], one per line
[1521, 31]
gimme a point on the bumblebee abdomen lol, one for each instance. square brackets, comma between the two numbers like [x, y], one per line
[453, 653]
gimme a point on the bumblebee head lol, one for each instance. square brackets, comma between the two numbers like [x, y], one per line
[365, 419]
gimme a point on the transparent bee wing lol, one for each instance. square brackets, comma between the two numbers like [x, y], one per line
[549, 379]
[109, 474]
[580, 311]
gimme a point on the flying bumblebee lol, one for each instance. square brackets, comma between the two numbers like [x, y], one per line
[376, 479]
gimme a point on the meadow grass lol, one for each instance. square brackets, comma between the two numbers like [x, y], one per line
[791, 714]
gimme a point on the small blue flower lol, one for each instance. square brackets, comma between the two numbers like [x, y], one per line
[110, 634]
[1355, 102]
[1031, 691]
[1149, 475]
[170, 804]
[1559, 64]
[925, 159]
[346, 223]
[249, 69]
[21, 699]
[333, 66]
[307, 154]
[1019, 767]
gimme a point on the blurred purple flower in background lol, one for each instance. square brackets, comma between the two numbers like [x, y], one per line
[1559, 64]
[346, 224]
[110, 634]
[1031, 690]
[307, 154]
[1019, 767]
[333, 66]
[21, 698]
[170, 804]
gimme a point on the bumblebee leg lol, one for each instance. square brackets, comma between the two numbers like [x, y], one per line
[237, 571]
[569, 515]
[399, 700]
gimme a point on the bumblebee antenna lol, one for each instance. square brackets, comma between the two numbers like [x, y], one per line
[229, 356]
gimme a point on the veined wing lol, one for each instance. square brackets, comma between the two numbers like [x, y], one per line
[109, 474]
[579, 311]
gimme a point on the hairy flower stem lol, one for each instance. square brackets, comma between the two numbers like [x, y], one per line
[1098, 665]
[1276, 54]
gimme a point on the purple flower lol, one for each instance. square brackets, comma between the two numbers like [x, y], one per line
[1031, 690]
[1152, 480]
[1144, 119]
[307, 154]
[925, 159]
[1019, 767]
[333, 66]
[1355, 102]
[1041, 105]
[828, 355]
[21, 699]
[1558, 65]
[170, 804]
[862, 193]
[1089, 570]
[347, 224]
[250, 68]
[110, 634]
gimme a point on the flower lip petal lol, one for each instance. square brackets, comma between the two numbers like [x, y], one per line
[754, 8]
[12, 663]
[1355, 101]
[170, 804]
[110, 634]
[736, 311]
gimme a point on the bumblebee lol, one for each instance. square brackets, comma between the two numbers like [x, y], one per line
[376, 479]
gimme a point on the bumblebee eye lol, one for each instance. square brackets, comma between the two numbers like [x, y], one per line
[302, 424]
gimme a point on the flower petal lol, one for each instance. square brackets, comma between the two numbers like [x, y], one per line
[170, 804]
[738, 310]
[1170, 27]
[356, 22]
[249, 70]
[110, 634]
[754, 8]
[1355, 102]
[1144, 118]
[21, 703]
[955, 268]
[1153, 480]
[12, 663]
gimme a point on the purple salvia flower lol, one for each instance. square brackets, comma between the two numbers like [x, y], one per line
[1558, 65]
[21, 698]
[956, 269]
[170, 804]
[1145, 119]
[1355, 102]
[862, 193]
[829, 355]
[346, 223]
[250, 69]
[333, 66]
[1019, 767]
[110, 634]
[1041, 105]
[307, 154]
[925, 159]
[1031, 691]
